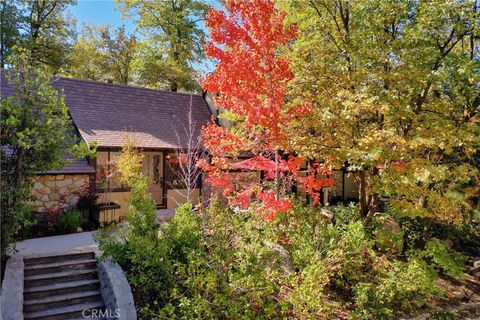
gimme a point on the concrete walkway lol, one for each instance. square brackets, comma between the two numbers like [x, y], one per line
[68, 242]
[63, 243]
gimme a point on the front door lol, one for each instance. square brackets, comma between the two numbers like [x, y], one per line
[153, 170]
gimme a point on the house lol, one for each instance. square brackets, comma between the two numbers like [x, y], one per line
[103, 114]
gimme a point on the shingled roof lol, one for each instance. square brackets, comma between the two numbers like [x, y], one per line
[73, 166]
[104, 113]
[80, 166]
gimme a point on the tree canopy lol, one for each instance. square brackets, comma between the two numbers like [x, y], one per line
[173, 41]
[251, 79]
[102, 54]
[42, 27]
[395, 90]
[37, 134]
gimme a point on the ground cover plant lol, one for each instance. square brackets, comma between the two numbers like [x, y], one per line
[225, 264]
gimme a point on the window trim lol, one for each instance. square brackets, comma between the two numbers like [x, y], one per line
[106, 190]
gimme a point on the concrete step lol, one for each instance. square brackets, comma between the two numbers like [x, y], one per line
[35, 292]
[41, 259]
[61, 300]
[60, 266]
[67, 312]
[56, 277]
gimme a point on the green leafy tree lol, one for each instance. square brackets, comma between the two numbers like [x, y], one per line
[395, 90]
[42, 27]
[102, 54]
[36, 132]
[142, 211]
[130, 163]
[84, 58]
[173, 40]
[9, 30]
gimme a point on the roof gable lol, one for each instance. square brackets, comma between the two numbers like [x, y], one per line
[104, 113]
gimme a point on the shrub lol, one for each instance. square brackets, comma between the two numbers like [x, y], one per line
[87, 202]
[309, 298]
[46, 223]
[344, 214]
[69, 221]
[130, 163]
[142, 210]
[464, 238]
[394, 286]
[16, 217]
[438, 254]
[389, 236]
[234, 265]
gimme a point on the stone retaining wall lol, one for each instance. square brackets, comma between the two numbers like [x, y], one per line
[60, 190]
[116, 291]
[11, 295]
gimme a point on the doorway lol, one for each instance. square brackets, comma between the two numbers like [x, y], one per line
[152, 167]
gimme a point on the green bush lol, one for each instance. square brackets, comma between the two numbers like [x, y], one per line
[463, 238]
[444, 259]
[142, 210]
[394, 286]
[69, 221]
[224, 264]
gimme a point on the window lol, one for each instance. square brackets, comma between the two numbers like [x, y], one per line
[174, 176]
[107, 174]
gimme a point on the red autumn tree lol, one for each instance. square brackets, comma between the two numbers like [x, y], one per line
[251, 78]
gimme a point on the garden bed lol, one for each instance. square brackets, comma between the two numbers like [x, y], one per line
[108, 213]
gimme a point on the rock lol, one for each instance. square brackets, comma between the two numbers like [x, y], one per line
[73, 200]
[37, 186]
[283, 257]
[63, 190]
[78, 177]
[36, 194]
[327, 213]
[65, 182]
[63, 205]
[59, 177]
[38, 203]
[79, 183]
[79, 229]
[54, 197]
[45, 198]
[50, 183]
[44, 190]
[457, 294]
[49, 204]
[388, 235]
[476, 265]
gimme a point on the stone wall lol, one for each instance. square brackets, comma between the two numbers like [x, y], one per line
[11, 295]
[116, 291]
[60, 190]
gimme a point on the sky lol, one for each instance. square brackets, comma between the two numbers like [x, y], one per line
[106, 12]
[99, 12]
